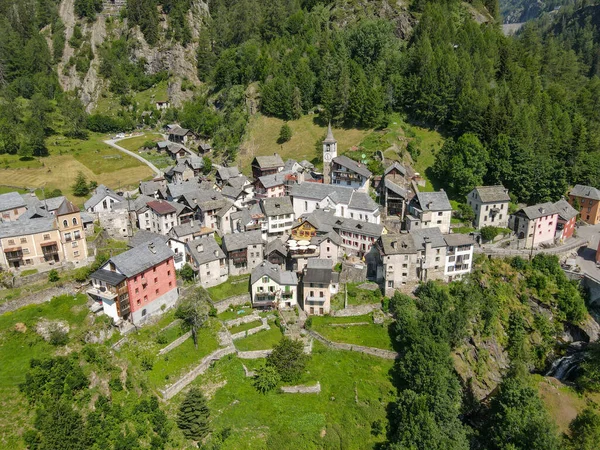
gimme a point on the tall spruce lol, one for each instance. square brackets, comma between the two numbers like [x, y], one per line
[193, 417]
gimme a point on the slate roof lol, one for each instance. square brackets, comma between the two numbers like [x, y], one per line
[276, 206]
[580, 190]
[275, 179]
[185, 230]
[359, 227]
[52, 204]
[143, 237]
[268, 162]
[11, 200]
[276, 245]
[332, 236]
[238, 182]
[205, 199]
[389, 184]
[142, 257]
[238, 241]
[329, 139]
[338, 194]
[281, 277]
[363, 201]
[231, 192]
[210, 250]
[457, 239]
[539, 210]
[86, 217]
[66, 207]
[100, 193]
[397, 244]
[177, 190]
[395, 165]
[112, 278]
[307, 164]
[227, 205]
[565, 210]
[434, 235]
[34, 212]
[354, 166]
[225, 173]
[149, 188]
[290, 164]
[178, 131]
[23, 227]
[433, 201]
[491, 194]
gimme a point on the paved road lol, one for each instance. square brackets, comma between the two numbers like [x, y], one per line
[586, 257]
[113, 143]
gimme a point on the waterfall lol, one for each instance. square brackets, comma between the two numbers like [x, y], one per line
[565, 368]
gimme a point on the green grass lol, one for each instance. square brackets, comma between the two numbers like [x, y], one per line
[297, 421]
[168, 367]
[109, 103]
[229, 288]
[463, 230]
[171, 334]
[29, 272]
[233, 314]
[133, 144]
[7, 189]
[263, 340]
[245, 326]
[18, 348]
[160, 160]
[356, 296]
[371, 335]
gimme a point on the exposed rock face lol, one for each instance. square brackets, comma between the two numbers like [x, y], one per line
[46, 327]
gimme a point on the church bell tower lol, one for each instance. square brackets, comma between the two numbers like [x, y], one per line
[329, 152]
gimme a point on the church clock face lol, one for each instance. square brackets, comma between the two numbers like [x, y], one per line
[327, 157]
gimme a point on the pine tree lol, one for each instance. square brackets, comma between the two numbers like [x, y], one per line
[80, 188]
[285, 134]
[194, 416]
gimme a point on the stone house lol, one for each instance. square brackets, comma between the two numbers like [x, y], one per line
[276, 253]
[102, 200]
[429, 210]
[244, 251]
[279, 213]
[490, 205]
[319, 283]
[273, 185]
[535, 225]
[12, 206]
[347, 172]
[586, 200]
[162, 215]
[345, 201]
[225, 173]
[181, 135]
[208, 261]
[249, 219]
[266, 165]
[136, 284]
[273, 287]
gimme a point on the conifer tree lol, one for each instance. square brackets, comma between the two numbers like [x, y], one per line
[194, 416]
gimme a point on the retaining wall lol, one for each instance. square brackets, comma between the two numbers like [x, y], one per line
[170, 391]
[560, 251]
[387, 354]
[302, 389]
[250, 332]
[176, 343]
[39, 297]
[255, 354]
[246, 319]
[223, 305]
[356, 310]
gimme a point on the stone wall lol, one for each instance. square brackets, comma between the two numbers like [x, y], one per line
[246, 319]
[356, 310]
[387, 354]
[176, 343]
[302, 389]
[255, 354]
[561, 251]
[224, 305]
[39, 297]
[170, 391]
[250, 332]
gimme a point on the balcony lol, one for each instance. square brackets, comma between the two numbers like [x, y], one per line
[50, 249]
[102, 292]
[13, 254]
[314, 300]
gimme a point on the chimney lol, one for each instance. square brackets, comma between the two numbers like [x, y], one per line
[429, 205]
[152, 247]
[216, 253]
[427, 242]
[200, 247]
[394, 243]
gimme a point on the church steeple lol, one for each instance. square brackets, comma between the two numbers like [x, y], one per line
[329, 152]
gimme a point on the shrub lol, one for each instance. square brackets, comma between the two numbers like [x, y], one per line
[289, 359]
[147, 362]
[58, 336]
[53, 276]
[308, 323]
[285, 134]
[489, 233]
[81, 274]
[161, 339]
[213, 312]
[266, 379]
[186, 273]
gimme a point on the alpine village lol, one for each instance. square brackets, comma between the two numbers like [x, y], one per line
[300, 224]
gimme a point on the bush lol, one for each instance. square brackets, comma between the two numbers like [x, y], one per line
[289, 359]
[285, 134]
[266, 379]
[58, 336]
[53, 276]
[81, 274]
[161, 339]
[147, 363]
[489, 233]
[308, 323]
[186, 273]
[80, 188]
[213, 312]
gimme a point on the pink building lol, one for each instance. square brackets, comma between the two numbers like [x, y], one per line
[138, 283]
[567, 218]
[535, 225]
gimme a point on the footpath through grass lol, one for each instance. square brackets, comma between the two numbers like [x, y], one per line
[369, 335]
[355, 390]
